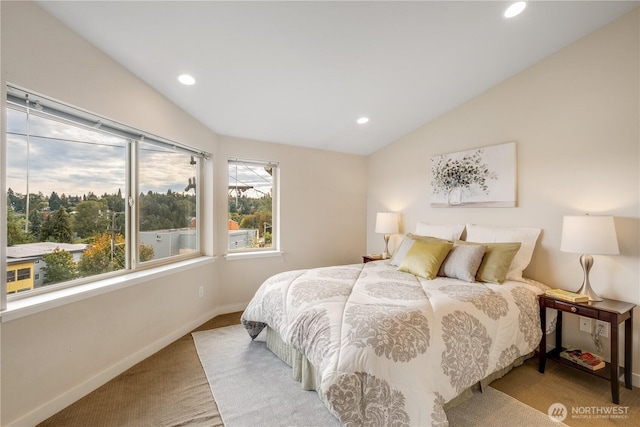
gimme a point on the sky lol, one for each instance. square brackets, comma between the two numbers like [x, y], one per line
[253, 176]
[75, 161]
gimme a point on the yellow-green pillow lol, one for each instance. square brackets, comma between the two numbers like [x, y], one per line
[496, 261]
[425, 257]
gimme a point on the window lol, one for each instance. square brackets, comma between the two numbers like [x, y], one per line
[24, 273]
[253, 214]
[89, 196]
[11, 276]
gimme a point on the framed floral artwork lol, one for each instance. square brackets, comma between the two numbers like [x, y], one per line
[483, 177]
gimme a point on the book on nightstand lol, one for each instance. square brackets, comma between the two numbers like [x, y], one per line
[563, 295]
[585, 359]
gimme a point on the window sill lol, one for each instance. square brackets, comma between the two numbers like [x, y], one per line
[38, 303]
[256, 254]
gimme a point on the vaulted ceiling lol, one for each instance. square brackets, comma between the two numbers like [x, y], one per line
[301, 73]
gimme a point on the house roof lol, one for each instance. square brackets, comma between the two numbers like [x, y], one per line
[36, 250]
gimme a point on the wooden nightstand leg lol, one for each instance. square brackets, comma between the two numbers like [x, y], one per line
[615, 365]
[628, 334]
[542, 351]
[558, 348]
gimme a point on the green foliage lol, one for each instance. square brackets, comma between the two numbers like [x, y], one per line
[54, 201]
[15, 201]
[15, 229]
[166, 211]
[18, 201]
[35, 222]
[57, 227]
[115, 202]
[146, 253]
[91, 218]
[93, 215]
[100, 257]
[60, 267]
[253, 213]
[103, 256]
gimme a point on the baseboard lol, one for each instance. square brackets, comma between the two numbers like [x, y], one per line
[635, 380]
[231, 308]
[62, 401]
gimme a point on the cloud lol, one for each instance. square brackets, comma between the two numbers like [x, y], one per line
[254, 176]
[74, 160]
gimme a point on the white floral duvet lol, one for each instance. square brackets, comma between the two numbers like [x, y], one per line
[392, 348]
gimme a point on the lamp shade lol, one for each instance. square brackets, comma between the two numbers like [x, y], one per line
[387, 222]
[586, 234]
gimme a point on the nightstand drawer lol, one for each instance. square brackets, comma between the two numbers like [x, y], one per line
[576, 309]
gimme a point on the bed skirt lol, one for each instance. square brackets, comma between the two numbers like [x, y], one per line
[304, 372]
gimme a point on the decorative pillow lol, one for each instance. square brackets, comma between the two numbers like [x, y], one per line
[451, 232]
[496, 261]
[526, 236]
[424, 258]
[406, 244]
[463, 262]
[402, 250]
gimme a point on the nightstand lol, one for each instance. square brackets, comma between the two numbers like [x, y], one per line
[369, 258]
[610, 311]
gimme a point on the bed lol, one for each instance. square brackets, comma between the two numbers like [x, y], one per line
[392, 342]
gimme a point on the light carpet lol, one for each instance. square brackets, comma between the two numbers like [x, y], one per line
[253, 387]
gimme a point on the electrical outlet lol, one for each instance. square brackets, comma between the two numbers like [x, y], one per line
[602, 329]
[585, 324]
[200, 291]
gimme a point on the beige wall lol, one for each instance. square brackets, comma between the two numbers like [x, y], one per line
[52, 358]
[322, 204]
[575, 118]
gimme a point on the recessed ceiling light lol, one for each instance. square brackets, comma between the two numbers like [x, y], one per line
[515, 9]
[362, 120]
[186, 79]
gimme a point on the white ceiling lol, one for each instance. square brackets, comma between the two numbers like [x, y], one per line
[301, 73]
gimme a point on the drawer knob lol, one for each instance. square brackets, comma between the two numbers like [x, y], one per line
[573, 309]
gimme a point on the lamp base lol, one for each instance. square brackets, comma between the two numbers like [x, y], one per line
[586, 261]
[385, 254]
[586, 290]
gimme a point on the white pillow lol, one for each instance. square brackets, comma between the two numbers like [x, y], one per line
[450, 232]
[401, 252]
[526, 236]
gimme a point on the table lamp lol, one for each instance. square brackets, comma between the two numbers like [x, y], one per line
[386, 223]
[589, 235]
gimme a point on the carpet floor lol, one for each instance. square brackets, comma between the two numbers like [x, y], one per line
[170, 389]
[253, 387]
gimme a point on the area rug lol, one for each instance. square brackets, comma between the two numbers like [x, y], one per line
[253, 387]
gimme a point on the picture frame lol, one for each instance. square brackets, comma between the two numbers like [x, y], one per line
[481, 178]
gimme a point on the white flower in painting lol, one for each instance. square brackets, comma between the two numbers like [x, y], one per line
[468, 172]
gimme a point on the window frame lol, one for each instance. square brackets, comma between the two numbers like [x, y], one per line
[275, 248]
[22, 270]
[66, 113]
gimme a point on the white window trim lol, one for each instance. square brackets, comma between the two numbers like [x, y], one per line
[56, 297]
[275, 211]
[28, 306]
[256, 254]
